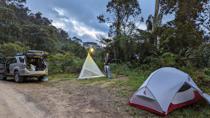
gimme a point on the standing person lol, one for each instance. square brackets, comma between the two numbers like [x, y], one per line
[107, 70]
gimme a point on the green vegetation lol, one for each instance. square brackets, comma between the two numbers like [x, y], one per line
[12, 48]
[64, 63]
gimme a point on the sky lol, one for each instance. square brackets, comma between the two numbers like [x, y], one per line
[79, 17]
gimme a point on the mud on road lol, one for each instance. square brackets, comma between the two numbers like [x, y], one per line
[60, 99]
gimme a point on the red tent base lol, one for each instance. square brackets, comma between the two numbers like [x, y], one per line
[172, 107]
[147, 109]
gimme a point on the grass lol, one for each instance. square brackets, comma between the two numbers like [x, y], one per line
[129, 80]
[57, 77]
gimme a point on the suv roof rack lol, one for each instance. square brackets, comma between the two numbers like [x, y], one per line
[20, 54]
[36, 53]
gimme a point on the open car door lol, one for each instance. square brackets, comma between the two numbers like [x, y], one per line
[2, 67]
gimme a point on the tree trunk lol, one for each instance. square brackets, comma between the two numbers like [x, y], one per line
[156, 22]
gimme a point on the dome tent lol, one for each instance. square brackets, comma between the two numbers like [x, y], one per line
[165, 90]
[90, 69]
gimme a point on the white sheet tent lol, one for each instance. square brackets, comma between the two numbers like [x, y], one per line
[90, 69]
[165, 90]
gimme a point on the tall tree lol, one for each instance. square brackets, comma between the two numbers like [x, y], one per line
[156, 15]
[204, 19]
[121, 16]
[186, 11]
[154, 22]
[184, 31]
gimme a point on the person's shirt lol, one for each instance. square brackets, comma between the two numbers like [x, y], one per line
[107, 60]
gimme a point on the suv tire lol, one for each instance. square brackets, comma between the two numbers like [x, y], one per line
[43, 79]
[2, 77]
[17, 77]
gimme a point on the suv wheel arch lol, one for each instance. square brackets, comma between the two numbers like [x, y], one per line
[17, 77]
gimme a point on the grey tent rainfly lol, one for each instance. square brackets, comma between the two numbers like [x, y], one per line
[165, 90]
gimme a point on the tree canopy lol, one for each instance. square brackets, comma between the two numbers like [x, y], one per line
[181, 36]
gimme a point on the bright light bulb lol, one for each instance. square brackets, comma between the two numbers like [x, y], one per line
[91, 50]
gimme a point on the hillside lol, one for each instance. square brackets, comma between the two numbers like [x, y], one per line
[20, 29]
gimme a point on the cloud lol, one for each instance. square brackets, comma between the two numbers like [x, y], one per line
[79, 17]
[141, 26]
[59, 11]
[59, 25]
[79, 29]
[83, 30]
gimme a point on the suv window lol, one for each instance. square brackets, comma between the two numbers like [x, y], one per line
[21, 59]
[2, 61]
[11, 61]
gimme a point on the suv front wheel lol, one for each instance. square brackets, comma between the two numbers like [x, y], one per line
[17, 77]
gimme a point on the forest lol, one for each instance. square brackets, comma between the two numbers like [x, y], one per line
[180, 42]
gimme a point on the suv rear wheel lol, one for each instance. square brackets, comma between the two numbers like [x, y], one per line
[43, 79]
[17, 77]
[2, 77]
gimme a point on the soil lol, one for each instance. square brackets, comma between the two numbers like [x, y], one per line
[60, 99]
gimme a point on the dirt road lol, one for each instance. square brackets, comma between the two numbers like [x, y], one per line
[14, 105]
[65, 99]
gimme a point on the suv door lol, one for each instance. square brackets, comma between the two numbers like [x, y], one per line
[2, 66]
[11, 65]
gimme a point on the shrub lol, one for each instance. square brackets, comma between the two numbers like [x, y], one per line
[10, 49]
[64, 63]
[206, 55]
[168, 59]
[151, 62]
[207, 71]
[198, 57]
[120, 69]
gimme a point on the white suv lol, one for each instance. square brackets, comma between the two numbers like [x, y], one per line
[22, 66]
